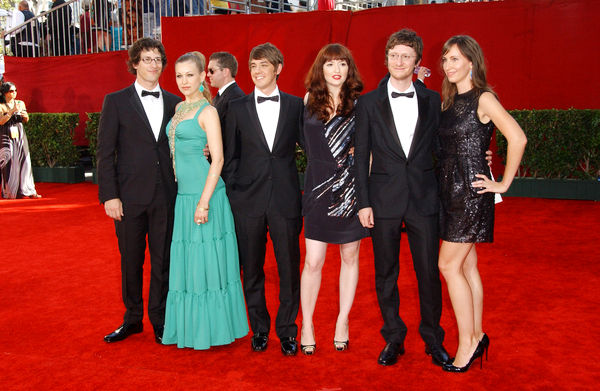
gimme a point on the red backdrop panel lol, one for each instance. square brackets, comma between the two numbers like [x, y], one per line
[298, 36]
[540, 54]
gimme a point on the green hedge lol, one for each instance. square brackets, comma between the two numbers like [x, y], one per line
[560, 143]
[91, 133]
[50, 137]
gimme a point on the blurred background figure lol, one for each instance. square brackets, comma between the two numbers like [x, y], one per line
[15, 163]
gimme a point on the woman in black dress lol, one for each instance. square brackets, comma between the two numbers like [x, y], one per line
[470, 112]
[329, 201]
[15, 163]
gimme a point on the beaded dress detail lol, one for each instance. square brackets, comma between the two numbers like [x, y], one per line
[465, 216]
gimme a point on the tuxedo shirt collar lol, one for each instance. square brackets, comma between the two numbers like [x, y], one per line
[222, 89]
[258, 93]
[391, 88]
[139, 89]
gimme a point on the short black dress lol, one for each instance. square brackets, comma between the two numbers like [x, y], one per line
[329, 201]
[465, 216]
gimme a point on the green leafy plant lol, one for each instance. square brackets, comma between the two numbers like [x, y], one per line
[91, 134]
[300, 159]
[560, 143]
[50, 137]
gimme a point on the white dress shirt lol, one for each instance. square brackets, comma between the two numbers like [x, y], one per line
[268, 114]
[222, 89]
[406, 113]
[153, 107]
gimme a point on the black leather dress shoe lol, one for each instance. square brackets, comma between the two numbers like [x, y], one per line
[439, 355]
[158, 334]
[124, 331]
[259, 342]
[389, 354]
[289, 346]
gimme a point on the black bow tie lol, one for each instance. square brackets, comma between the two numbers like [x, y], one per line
[406, 94]
[155, 94]
[261, 99]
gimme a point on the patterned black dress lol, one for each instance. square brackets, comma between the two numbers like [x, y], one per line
[15, 162]
[329, 202]
[465, 216]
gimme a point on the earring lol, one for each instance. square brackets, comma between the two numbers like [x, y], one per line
[201, 89]
[471, 74]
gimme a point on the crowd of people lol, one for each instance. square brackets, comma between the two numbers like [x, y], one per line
[95, 26]
[206, 179]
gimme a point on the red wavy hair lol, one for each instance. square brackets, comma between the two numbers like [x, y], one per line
[319, 100]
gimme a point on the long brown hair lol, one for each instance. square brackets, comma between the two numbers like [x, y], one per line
[469, 48]
[319, 100]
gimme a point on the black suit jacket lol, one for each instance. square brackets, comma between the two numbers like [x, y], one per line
[129, 157]
[258, 179]
[395, 176]
[222, 103]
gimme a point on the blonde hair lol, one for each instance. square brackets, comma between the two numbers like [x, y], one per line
[200, 61]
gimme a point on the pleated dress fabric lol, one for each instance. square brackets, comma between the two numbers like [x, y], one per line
[205, 303]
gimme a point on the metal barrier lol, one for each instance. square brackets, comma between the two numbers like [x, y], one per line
[93, 26]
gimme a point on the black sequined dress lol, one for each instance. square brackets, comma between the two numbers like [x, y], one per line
[465, 216]
[329, 201]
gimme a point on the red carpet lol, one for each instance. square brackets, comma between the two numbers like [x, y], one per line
[60, 294]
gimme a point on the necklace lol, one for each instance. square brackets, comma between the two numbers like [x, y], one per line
[181, 112]
[187, 107]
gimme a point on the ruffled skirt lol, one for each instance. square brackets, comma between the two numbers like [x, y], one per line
[205, 304]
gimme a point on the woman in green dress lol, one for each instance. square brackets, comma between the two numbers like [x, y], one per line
[205, 304]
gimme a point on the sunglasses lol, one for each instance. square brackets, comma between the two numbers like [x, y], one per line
[12, 91]
[212, 71]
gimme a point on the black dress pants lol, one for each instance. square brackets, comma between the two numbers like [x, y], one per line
[252, 238]
[156, 222]
[423, 240]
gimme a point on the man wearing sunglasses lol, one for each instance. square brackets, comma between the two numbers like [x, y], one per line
[222, 68]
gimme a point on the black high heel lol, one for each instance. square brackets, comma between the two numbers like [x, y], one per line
[478, 353]
[485, 344]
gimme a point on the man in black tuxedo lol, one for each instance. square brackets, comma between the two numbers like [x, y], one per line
[396, 125]
[137, 185]
[261, 134]
[222, 68]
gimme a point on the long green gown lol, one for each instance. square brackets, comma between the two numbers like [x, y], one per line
[205, 304]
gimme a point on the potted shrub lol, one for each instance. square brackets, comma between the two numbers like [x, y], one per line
[54, 157]
[562, 159]
[91, 134]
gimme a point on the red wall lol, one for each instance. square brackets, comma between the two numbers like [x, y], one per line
[540, 53]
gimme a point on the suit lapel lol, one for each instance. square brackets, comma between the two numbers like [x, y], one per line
[165, 118]
[420, 127]
[253, 117]
[283, 108]
[136, 103]
[385, 109]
